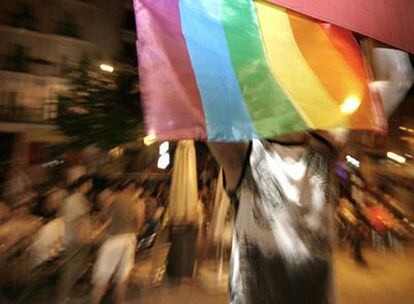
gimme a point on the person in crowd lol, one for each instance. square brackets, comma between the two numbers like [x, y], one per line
[141, 207]
[153, 222]
[355, 227]
[105, 199]
[38, 175]
[52, 200]
[18, 185]
[357, 235]
[150, 203]
[5, 212]
[74, 172]
[75, 212]
[205, 199]
[116, 257]
[160, 196]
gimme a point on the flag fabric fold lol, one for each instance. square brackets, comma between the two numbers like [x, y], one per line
[233, 70]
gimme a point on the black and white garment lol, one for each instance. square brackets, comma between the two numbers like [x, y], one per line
[281, 250]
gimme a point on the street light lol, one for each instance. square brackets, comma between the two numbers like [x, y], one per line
[164, 147]
[402, 128]
[149, 139]
[163, 161]
[106, 68]
[353, 161]
[164, 155]
[397, 158]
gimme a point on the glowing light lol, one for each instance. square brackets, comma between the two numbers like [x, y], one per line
[149, 139]
[163, 161]
[352, 160]
[164, 147]
[406, 129]
[106, 68]
[116, 152]
[350, 105]
[397, 158]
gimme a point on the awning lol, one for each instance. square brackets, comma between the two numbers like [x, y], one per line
[389, 21]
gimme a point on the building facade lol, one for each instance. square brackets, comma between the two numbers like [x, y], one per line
[39, 41]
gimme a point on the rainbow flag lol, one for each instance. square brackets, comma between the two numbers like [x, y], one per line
[226, 70]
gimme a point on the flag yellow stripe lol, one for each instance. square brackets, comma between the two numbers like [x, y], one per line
[293, 72]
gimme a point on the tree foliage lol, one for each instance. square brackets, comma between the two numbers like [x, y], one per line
[100, 108]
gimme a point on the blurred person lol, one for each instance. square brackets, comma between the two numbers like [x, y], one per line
[141, 207]
[153, 222]
[48, 242]
[150, 203]
[354, 229]
[116, 257]
[205, 199]
[105, 199]
[357, 235]
[5, 212]
[205, 209]
[283, 191]
[161, 193]
[75, 172]
[38, 175]
[204, 194]
[53, 200]
[17, 185]
[75, 212]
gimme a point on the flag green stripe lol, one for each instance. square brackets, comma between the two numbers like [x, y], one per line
[269, 107]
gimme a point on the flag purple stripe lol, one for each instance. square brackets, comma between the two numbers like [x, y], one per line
[168, 84]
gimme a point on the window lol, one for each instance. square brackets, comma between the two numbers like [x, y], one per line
[8, 98]
[8, 105]
[64, 65]
[17, 59]
[22, 16]
[68, 26]
[50, 109]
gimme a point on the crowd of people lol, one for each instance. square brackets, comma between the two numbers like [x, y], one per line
[75, 224]
[368, 216]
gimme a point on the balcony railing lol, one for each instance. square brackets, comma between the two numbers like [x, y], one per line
[61, 28]
[31, 66]
[23, 23]
[25, 114]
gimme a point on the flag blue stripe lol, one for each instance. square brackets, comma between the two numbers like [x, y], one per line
[226, 115]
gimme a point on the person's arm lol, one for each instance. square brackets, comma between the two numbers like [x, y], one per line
[230, 156]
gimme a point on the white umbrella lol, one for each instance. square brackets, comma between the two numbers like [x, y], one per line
[221, 226]
[183, 191]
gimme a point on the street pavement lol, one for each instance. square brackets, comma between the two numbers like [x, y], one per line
[387, 279]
